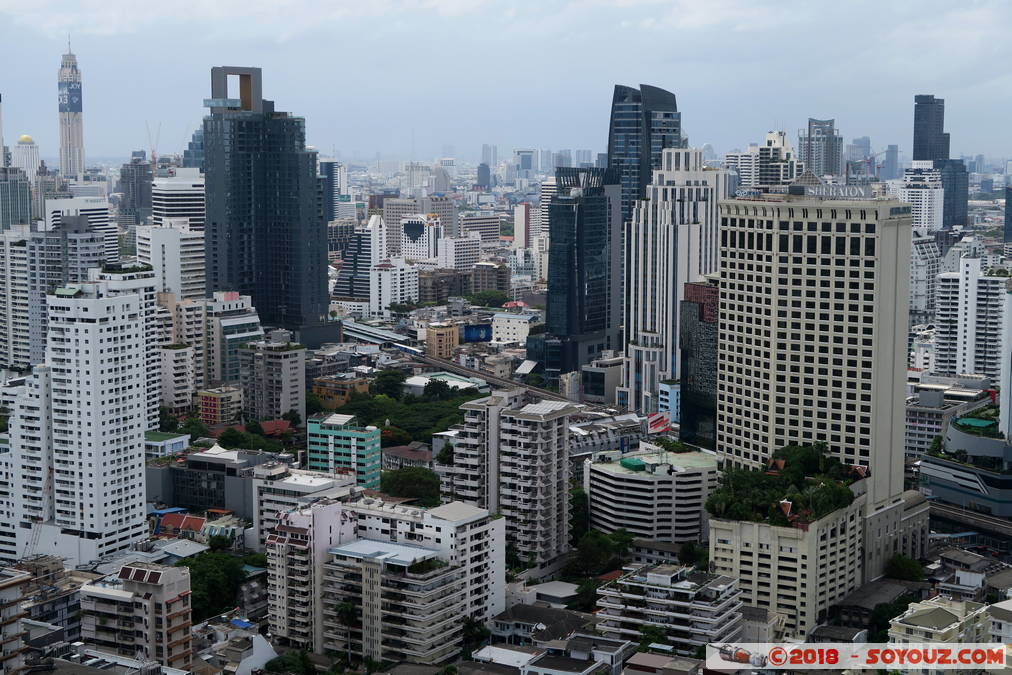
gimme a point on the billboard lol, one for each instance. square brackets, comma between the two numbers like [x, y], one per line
[658, 422]
[70, 97]
[478, 332]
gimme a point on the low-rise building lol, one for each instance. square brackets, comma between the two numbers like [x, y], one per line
[581, 654]
[415, 453]
[692, 608]
[442, 339]
[415, 385]
[531, 624]
[936, 400]
[142, 612]
[512, 328]
[335, 390]
[652, 493]
[941, 620]
[774, 564]
[53, 593]
[591, 432]
[163, 444]
[219, 405]
[335, 444]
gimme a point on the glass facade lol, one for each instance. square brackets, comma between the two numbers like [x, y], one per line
[265, 234]
[930, 141]
[644, 121]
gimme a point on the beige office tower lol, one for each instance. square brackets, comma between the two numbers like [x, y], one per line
[814, 294]
[71, 117]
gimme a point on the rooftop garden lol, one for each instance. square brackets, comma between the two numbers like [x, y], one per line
[801, 484]
[983, 422]
[427, 566]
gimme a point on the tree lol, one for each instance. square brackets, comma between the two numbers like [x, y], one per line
[534, 380]
[296, 662]
[219, 543]
[884, 613]
[254, 428]
[195, 428]
[166, 420]
[391, 436]
[437, 390]
[490, 298]
[904, 568]
[255, 560]
[293, 417]
[233, 438]
[620, 540]
[689, 553]
[652, 635]
[475, 634]
[314, 404]
[347, 615]
[389, 383]
[586, 596]
[593, 554]
[412, 481]
[579, 521]
[445, 455]
[215, 578]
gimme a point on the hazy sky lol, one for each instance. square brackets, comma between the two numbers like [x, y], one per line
[537, 73]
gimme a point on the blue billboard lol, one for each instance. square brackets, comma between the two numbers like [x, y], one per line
[70, 97]
[478, 332]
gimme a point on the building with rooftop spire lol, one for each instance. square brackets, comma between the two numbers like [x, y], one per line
[71, 116]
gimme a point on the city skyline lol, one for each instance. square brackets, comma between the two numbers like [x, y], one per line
[163, 85]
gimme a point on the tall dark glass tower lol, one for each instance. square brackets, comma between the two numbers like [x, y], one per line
[584, 307]
[644, 121]
[1007, 238]
[265, 234]
[956, 183]
[930, 140]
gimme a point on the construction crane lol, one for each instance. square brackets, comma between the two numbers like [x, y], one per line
[154, 144]
[33, 543]
[867, 162]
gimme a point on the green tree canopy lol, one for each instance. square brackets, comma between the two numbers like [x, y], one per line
[195, 428]
[314, 404]
[904, 568]
[389, 383]
[437, 390]
[489, 298]
[579, 509]
[445, 455]
[412, 481]
[215, 578]
[295, 662]
[166, 420]
[293, 417]
[391, 436]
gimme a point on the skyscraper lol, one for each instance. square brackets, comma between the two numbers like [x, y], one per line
[1007, 232]
[25, 156]
[930, 140]
[265, 233]
[813, 332]
[891, 164]
[71, 117]
[969, 320]
[15, 197]
[821, 148]
[335, 184]
[180, 194]
[135, 183]
[673, 239]
[772, 163]
[3, 148]
[644, 121]
[584, 307]
[956, 183]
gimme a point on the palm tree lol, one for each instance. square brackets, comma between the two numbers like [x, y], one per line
[347, 614]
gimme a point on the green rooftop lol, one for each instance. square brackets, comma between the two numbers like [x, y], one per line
[975, 422]
[160, 436]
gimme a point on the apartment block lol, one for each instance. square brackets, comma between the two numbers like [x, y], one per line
[278, 488]
[12, 582]
[297, 547]
[142, 612]
[232, 321]
[336, 445]
[941, 620]
[692, 608]
[969, 320]
[220, 405]
[175, 251]
[272, 374]
[511, 456]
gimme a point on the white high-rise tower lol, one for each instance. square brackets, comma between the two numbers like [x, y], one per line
[673, 239]
[71, 117]
[79, 488]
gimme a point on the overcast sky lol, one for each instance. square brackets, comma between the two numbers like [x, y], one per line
[369, 74]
